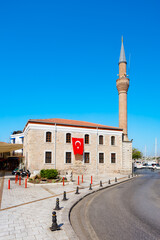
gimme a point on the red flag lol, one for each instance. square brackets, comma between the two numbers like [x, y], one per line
[77, 145]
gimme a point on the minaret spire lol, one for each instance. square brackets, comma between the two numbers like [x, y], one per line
[122, 86]
[122, 57]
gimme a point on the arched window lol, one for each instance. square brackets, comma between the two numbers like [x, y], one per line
[101, 139]
[48, 136]
[113, 140]
[68, 138]
[86, 139]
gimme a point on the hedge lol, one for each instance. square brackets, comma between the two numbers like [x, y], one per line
[49, 173]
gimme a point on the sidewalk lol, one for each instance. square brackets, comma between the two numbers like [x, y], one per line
[26, 213]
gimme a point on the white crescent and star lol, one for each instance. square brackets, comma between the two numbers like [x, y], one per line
[76, 144]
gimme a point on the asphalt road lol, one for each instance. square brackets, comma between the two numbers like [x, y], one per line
[129, 211]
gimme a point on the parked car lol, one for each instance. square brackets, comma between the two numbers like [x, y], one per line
[145, 165]
[138, 164]
[157, 166]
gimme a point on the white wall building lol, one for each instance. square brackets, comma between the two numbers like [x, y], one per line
[17, 139]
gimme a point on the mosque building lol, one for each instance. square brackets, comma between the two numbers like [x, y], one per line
[78, 146]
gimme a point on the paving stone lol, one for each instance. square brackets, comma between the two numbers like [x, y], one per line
[33, 220]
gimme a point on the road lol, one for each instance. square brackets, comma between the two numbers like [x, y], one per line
[129, 211]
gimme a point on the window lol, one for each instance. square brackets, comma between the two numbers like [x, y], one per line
[13, 140]
[101, 157]
[101, 139]
[48, 136]
[68, 138]
[48, 157]
[86, 157]
[113, 158]
[112, 140]
[68, 157]
[86, 139]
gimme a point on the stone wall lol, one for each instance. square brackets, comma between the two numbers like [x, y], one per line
[35, 146]
[127, 157]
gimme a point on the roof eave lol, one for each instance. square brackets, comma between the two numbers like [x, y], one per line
[76, 125]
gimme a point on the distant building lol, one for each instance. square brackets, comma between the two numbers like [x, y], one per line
[17, 138]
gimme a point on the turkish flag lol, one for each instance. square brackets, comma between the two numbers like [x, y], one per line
[77, 145]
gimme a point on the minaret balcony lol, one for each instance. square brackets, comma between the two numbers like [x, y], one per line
[122, 84]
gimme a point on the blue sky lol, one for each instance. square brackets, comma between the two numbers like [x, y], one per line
[60, 59]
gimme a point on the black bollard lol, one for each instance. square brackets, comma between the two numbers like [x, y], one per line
[57, 204]
[109, 181]
[77, 190]
[101, 184]
[128, 176]
[115, 179]
[90, 186]
[54, 226]
[132, 174]
[64, 196]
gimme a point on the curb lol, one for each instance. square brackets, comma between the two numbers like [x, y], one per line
[67, 210]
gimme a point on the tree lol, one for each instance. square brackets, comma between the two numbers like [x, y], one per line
[136, 154]
[16, 132]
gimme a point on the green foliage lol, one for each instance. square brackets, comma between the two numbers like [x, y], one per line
[49, 173]
[16, 132]
[136, 154]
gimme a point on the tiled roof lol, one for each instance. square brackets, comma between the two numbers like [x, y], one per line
[59, 121]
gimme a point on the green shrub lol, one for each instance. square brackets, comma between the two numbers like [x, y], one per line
[49, 173]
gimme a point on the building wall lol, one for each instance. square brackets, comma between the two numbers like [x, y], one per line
[127, 157]
[17, 139]
[35, 146]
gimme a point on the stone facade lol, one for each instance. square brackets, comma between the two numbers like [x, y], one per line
[35, 146]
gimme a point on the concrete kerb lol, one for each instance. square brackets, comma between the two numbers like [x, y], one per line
[48, 184]
[68, 208]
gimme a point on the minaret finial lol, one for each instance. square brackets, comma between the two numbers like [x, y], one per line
[122, 57]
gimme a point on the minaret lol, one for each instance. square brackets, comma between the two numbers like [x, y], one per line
[122, 86]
